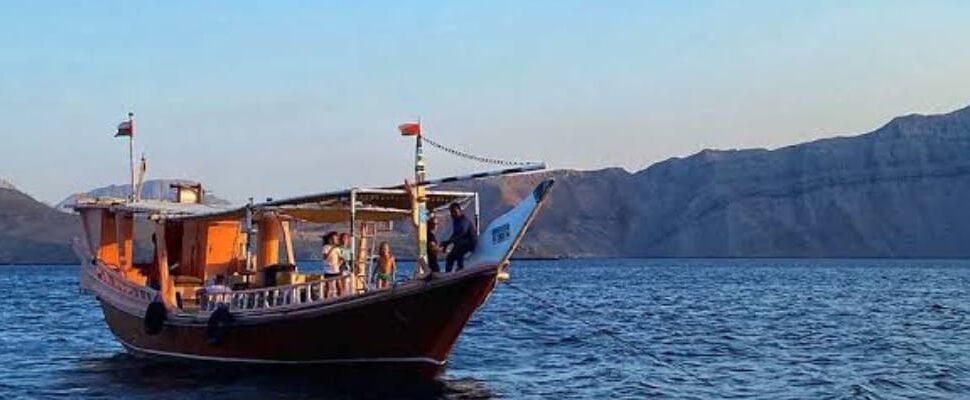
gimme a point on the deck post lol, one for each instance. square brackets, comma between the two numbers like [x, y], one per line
[124, 237]
[248, 223]
[268, 252]
[120, 243]
[478, 217]
[288, 241]
[166, 286]
[352, 263]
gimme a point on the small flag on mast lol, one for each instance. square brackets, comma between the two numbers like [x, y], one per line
[410, 129]
[126, 128]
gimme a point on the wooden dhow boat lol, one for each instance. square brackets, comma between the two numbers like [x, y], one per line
[278, 313]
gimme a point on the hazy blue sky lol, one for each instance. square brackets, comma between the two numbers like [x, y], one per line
[277, 98]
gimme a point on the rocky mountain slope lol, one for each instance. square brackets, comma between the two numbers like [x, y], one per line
[33, 232]
[902, 190]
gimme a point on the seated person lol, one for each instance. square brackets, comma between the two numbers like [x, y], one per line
[464, 237]
[217, 287]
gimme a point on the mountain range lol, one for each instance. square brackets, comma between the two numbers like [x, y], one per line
[902, 190]
[32, 232]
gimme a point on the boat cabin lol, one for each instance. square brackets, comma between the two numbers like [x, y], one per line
[187, 246]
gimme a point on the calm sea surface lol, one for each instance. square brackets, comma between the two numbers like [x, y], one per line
[773, 329]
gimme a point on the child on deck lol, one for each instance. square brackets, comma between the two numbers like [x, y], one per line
[332, 262]
[386, 266]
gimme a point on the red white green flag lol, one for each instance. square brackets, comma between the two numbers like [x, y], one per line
[126, 128]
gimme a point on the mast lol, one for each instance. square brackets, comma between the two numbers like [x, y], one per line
[419, 205]
[422, 205]
[131, 155]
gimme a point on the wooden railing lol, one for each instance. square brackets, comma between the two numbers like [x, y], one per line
[315, 292]
[319, 291]
[123, 286]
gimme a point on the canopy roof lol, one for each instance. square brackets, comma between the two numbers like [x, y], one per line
[331, 207]
[148, 207]
[371, 205]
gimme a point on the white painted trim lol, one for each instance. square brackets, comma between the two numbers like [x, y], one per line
[427, 360]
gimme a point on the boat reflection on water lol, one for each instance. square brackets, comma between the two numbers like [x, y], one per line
[140, 378]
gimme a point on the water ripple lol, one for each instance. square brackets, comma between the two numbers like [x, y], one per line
[685, 329]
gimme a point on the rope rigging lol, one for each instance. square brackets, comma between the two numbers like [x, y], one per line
[629, 344]
[469, 156]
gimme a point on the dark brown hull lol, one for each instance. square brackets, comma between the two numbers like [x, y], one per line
[411, 328]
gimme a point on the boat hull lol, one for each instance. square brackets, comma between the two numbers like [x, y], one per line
[411, 328]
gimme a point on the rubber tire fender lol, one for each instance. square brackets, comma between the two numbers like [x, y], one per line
[217, 328]
[155, 317]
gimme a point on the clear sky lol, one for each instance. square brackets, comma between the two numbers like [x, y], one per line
[275, 98]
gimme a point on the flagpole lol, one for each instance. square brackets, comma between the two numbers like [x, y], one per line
[131, 154]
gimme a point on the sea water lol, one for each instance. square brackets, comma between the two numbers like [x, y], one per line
[771, 329]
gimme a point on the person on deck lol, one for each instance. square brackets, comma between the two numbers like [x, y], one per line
[464, 237]
[217, 288]
[386, 266]
[346, 259]
[346, 254]
[332, 260]
[433, 247]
